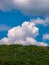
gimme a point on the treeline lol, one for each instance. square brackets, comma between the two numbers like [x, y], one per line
[24, 55]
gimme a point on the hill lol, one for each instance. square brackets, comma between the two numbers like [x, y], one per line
[23, 55]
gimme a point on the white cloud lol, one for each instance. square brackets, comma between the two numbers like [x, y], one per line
[46, 36]
[27, 41]
[32, 7]
[27, 29]
[4, 41]
[23, 35]
[42, 44]
[4, 27]
[44, 22]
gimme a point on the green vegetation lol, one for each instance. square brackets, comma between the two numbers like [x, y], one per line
[23, 55]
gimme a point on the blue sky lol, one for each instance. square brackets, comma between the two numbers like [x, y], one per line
[18, 15]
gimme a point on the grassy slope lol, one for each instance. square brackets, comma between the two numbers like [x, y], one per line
[23, 55]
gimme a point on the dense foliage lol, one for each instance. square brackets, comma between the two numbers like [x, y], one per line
[23, 55]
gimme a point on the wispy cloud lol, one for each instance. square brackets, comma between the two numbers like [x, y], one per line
[46, 36]
[44, 22]
[4, 27]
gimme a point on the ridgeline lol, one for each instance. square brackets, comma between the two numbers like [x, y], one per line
[24, 55]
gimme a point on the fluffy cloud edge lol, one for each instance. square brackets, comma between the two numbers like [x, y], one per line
[27, 42]
[43, 22]
[46, 36]
[23, 35]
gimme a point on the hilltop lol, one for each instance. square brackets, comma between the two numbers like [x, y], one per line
[23, 55]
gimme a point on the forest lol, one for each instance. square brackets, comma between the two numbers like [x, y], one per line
[24, 55]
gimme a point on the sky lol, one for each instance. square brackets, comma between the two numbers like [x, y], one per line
[24, 22]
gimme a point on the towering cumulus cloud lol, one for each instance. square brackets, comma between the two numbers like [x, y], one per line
[23, 35]
[32, 7]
